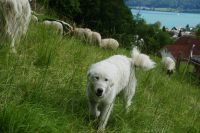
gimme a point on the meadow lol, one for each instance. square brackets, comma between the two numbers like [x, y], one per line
[42, 90]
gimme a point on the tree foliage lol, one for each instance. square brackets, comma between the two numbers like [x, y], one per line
[63, 8]
[197, 31]
[153, 36]
[112, 18]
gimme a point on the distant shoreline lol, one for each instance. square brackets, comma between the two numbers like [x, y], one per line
[197, 11]
[168, 19]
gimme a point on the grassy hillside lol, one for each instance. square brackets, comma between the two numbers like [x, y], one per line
[42, 89]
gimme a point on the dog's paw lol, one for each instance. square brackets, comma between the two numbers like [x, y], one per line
[95, 114]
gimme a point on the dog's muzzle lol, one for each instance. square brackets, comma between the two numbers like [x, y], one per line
[99, 92]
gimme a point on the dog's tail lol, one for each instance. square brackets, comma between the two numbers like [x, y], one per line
[141, 60]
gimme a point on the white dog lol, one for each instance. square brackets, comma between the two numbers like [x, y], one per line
[107, 78]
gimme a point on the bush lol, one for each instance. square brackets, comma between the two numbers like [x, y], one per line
[111, 18]
[63, 8]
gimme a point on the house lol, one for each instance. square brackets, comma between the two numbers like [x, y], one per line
[181, 51]
[182, 47]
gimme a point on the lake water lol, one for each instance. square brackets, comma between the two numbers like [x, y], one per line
[169, 19]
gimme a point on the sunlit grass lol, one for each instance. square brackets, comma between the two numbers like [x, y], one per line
[42, 89]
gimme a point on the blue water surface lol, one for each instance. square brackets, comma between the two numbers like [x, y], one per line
[169, 19]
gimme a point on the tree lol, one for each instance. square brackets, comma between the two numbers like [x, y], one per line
[197, 31]
[63, 8]
[112, 18]
[164, 29]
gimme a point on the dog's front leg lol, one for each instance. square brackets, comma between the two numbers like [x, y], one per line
[105, 113]
[93, 109]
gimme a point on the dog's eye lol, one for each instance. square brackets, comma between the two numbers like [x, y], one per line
[97, 78]
[106, 79]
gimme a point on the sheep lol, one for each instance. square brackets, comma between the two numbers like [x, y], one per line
[58, 26]
[61, 26]
[82, 33]
[15, 16]
[87, 34]
[79, 33]
[169, 65]
[95, 38]
[66, 26]
[109, 43]
[168, 62]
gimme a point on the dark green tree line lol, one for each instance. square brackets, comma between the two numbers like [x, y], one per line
[112, 18]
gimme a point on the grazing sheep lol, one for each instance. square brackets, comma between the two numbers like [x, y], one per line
[107, 78]
[15, 16]
[66, 26]
[57, 25]
[87, 34]
[109, 43]
[95, 38]
[82, 33]
[169, 65]
[79, 33]
[64, 29]
[168, 62]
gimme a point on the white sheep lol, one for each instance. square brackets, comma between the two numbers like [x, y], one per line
[95, 38]
[57, 25]
[79, 33]
[15, 16]
[169, 65]
[67, 28]
[87, 34]
[109, 43]
[82, 33]
[61, 26]
[168, 62]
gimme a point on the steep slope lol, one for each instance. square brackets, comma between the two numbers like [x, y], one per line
[42, 89]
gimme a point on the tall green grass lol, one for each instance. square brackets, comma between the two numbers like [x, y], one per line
[42, 89]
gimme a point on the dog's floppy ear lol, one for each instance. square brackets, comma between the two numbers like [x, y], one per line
[111, 83]
[88, 74]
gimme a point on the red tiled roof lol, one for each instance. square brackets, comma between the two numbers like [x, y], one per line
[183, 46]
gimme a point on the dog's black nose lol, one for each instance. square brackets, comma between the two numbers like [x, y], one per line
[99, 92]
